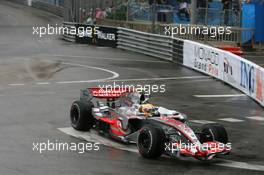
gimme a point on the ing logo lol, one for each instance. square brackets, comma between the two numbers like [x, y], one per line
[247, 76]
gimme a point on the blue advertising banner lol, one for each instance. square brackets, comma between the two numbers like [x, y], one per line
[248, 21]
[259, 33]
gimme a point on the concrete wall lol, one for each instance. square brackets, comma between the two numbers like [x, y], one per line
[57, 10]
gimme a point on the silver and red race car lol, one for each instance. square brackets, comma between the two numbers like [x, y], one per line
[128, 117]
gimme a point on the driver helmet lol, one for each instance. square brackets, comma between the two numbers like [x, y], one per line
[148, 110]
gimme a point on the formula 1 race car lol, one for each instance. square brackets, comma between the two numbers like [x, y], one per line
[128, 117]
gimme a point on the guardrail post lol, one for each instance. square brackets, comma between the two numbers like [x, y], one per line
[154, 11]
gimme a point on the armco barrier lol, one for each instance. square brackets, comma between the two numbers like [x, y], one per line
[68, 36]
[177, 50]
[231, 69]
[146, 43]
[163, 47]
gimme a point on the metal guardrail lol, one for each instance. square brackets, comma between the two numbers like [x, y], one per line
[237, 37]
[177, 50]
[146, 43]
[68, 36]
[155, 45]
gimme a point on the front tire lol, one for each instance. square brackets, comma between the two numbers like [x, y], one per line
[151, 142]
[214, 132]
[81, 115]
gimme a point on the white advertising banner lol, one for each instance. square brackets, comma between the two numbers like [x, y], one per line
[203, 58]
[232, 69]
[245, 75]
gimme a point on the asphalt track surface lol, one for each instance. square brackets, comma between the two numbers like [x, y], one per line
[40, 77]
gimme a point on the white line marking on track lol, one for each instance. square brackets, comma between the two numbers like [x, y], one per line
[232, 120]
[201, 121]
[111, 79]
[76, 82]
[258, 118]
[43, 83]
[126, 80]
[109, 58]
[92, 136]
[16, 84]
[241, 165]
[157, 79]
[114, 74]
[220, 96]
[28, 94]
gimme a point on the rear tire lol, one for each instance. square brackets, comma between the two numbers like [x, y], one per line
[214, 132]
[81, 115]
[151, 142]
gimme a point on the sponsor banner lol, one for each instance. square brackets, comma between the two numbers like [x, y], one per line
[230, 65]
[251, 79]
[244, 75]
[203, 58]
[96, 35]
[84, 33]
[260, 85]
[232, 69]
[106, 36]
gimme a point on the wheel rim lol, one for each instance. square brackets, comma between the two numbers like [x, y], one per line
[144, 140]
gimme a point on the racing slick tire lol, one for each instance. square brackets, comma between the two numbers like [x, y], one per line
[81, 115]
[151, 142]
[214, 132]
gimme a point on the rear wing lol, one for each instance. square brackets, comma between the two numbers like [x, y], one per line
[103, 93]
